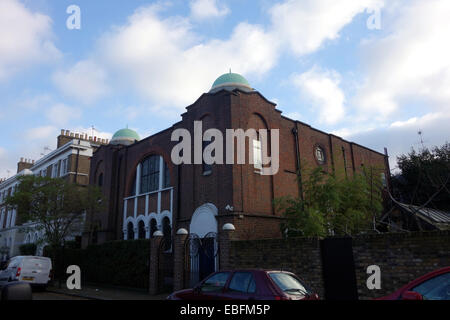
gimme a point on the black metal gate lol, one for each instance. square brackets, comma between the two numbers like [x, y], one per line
[338, 269]
[201, 257]
[165, 266]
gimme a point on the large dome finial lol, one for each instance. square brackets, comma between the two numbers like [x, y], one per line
[231, 81]
[125, 137]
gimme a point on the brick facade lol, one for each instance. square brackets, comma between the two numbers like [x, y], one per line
[250, 194]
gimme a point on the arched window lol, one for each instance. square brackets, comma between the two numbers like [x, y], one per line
[130, 231]
[153, 227]
[141, 230]
[167, 232]
[153, 171]
[166, 177]
[150, 174]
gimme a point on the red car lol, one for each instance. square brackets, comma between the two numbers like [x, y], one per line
[432, 286]
[248, 285]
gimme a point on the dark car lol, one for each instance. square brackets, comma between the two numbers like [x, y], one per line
[248, 285]
[432, 286]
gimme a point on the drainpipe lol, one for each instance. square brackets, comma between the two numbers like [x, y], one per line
[298, 164]
[331, 154]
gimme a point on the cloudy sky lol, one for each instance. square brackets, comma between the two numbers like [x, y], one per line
[374, 72]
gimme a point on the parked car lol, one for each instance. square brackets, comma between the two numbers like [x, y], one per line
[31, 269]
[432, 286]
[248, 285]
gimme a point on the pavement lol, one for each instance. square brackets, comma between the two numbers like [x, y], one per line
[93, 292]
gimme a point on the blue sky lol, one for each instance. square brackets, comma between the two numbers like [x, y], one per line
[140, 63]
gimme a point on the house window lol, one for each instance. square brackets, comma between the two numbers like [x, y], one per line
[55, 170]
[257, 156]
[150, 174]
[2, 219]
[319, 153]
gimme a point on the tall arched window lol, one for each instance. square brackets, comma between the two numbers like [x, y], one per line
[141, 230]
[130, 231]
[154, 174]
[153, 227]
[150, 174]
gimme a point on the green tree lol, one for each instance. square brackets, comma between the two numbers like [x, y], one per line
[54, 206]
[333, 204]
[424, 178]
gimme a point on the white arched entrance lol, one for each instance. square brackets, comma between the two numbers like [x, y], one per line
[203, 230]
[204, 220]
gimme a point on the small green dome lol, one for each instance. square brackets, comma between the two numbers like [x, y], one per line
[125, 136]
[231, 81]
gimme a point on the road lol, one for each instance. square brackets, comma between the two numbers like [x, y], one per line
[54, 296]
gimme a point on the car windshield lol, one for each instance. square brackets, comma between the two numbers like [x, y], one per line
[288, 283]
[437, 288]
[215, 283]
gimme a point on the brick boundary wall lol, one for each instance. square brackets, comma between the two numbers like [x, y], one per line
[401, 257]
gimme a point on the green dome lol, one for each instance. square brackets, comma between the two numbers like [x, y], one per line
[125, 136]
[231, 81]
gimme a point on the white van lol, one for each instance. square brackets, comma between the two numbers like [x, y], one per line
[31, 269]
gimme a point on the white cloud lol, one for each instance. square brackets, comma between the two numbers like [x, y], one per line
[410, 63]
[321, 88]
[207, 9]
[164, 60]
[25, 38]
[60, 114]
[400, 136]
[41, 133]
[85, 81]
[171, 65]
[305, 25]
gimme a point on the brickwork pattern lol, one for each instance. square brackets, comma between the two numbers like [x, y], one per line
[402, 257]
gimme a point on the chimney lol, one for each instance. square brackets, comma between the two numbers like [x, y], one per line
[24, 164]
[63, 138]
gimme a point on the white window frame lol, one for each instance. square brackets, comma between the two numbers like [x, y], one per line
[257, 156]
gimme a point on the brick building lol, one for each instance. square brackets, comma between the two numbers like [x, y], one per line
[70, 160]
[146, 192]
